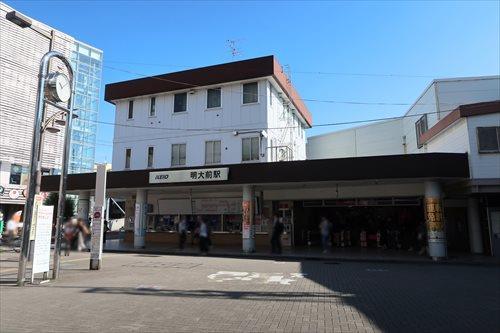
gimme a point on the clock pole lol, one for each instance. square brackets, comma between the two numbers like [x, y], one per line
[35, 160]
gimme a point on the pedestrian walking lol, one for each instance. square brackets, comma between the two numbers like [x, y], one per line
[104, 232]
[325, 228]
[182, 229]
[82, 233]
[278, 229]
[1, 226]
[69, 233]
[203, 235]
[11, 229]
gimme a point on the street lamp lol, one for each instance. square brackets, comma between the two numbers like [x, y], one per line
[59, 89]
[53, 88]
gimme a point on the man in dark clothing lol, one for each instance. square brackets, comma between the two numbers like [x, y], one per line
[278, 229]
[105, 229]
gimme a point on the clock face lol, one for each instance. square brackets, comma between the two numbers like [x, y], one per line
[62, 87]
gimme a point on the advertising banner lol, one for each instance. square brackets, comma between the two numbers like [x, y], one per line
[245, 225]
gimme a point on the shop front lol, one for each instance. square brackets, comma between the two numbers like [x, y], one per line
[385, 205]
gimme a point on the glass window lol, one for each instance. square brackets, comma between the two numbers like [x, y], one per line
[250, 93]
[128, 155]
[15, 174]
[213, 98]
[178, 154]
[180, 102]
[232, 223]
[421, 128]
[212, 152]
[95, 55]
[152, 107]
[250, 149]
[488, 139]
[150, 156]
[130, 109]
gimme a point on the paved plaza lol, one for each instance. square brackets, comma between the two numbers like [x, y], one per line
[160, 293]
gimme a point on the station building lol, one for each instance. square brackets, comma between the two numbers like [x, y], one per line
[228, 142]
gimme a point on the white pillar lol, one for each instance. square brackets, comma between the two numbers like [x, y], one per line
[98, 217]
[247, 227]
[83, 206]
[434, 218]
[140, 219]
[475, 236]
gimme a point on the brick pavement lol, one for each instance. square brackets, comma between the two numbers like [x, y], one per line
[152, 293]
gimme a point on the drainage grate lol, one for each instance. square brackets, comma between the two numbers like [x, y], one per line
[331, 263]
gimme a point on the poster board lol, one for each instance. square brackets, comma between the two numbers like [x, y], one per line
[43, 235]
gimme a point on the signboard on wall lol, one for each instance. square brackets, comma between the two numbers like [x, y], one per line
[190, 175]
[217, 206]
[41, 254]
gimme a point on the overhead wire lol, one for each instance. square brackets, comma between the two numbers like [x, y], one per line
[190, 85]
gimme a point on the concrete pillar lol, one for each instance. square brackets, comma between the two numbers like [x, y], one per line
[475, 236]
[140, 219]
[434, 218]
[247, 227]
[83, 206]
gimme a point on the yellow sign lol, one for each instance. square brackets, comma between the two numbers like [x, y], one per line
[38, 202]
[434, 214]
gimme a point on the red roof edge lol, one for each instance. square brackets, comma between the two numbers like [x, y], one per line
[290, 91]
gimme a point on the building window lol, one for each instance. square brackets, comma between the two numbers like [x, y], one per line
[250, 93]
[130, 109]
[250, 149]
[128, 155]
[488, 139]
[151, 151]
[421, 128]
[212, 152]
[180, 102]
[213, 98]
[178, 154]
[16, 172]
[152, 107]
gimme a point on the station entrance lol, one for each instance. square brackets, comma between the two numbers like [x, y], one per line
[388, 223]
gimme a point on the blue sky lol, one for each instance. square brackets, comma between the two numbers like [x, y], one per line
[423, 39]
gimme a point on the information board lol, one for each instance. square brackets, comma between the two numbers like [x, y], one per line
[96, 239]
[43, 235]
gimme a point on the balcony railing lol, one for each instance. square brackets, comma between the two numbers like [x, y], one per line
[280, 153]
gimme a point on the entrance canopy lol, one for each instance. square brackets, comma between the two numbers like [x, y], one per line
[452, 166]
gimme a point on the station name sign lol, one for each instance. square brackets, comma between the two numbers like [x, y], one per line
[190, 175]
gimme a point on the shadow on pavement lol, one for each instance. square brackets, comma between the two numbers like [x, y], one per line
[409, 298]
[317, 297]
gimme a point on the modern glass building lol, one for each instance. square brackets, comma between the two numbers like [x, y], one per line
[87, 63]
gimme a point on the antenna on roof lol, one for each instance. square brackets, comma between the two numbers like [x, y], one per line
[288, 71]
[231, 43]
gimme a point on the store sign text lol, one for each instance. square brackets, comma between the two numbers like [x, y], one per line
[193, 175]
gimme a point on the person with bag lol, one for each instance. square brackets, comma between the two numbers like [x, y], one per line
[69, 233]
[278, 229]
[83, 231]
[203, 236]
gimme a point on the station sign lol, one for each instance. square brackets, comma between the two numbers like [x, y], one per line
[190, 175]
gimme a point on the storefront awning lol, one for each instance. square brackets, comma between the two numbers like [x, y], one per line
[410, 166]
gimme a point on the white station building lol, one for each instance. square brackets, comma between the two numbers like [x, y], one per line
[228, 142]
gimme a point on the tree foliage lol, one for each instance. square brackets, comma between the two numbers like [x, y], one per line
[69, 205]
